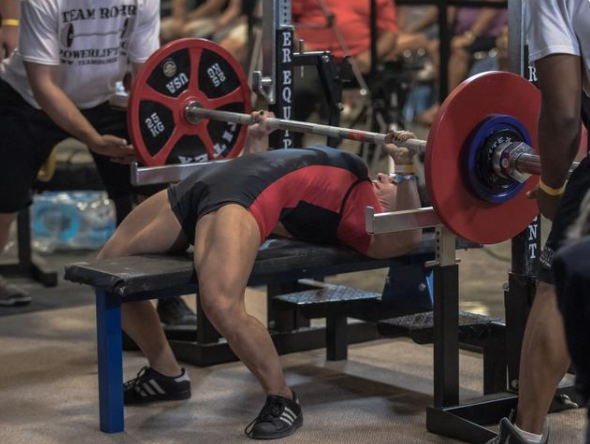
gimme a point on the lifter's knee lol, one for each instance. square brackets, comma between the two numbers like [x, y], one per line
[223, 310]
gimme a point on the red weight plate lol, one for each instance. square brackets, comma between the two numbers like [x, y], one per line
[178, 73]
[466, 107]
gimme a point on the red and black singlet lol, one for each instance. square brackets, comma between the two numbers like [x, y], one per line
[319, 194]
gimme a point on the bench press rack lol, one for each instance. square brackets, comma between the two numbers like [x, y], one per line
[448, 416]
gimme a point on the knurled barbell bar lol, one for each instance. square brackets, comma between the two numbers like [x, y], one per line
[191, 102]
[195, 113]
[509, 159]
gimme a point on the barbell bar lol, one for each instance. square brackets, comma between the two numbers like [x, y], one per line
[515, 160]
[195, 113]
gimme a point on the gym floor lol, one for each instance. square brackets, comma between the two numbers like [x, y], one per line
[48, 376]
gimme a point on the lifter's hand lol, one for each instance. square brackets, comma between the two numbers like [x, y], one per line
[8, 40]
[114, 147]
[400, 155]
[257, 139]
[260, 129]
[547, 204]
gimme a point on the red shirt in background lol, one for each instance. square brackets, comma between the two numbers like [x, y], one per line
[352, 17]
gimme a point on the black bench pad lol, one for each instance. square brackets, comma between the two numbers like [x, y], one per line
[135, 274]
[317, 303]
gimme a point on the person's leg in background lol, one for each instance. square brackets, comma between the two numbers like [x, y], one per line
[502, 45]
[459, 64]
[27, 136]
[203, 27]
[10, 294]
[410, 42]
[116, 180]
[544, 360]
[236, 42]
[170, 29]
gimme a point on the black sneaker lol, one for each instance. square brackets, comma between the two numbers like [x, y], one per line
[174, 311]
[507, 434]
[11, 295]
[278, 418]
[151, 386]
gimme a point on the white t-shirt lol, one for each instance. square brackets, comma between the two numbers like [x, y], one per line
[91, 41]
[560, 27]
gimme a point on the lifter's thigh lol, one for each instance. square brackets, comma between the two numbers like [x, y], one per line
[151, 227]
[226, 245]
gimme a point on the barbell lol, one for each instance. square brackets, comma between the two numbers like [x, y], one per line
[191, 103]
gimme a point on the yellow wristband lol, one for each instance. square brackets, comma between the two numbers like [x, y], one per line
[405, 169]
[10, 22]
[550, 190]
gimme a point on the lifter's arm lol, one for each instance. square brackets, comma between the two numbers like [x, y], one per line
[407, 198]
[560, 81]
[67, 116]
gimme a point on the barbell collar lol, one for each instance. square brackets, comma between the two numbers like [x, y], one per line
[531, 163]
[518, 161]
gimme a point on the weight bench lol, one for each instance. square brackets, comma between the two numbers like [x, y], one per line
[335, 303]
[281, 264]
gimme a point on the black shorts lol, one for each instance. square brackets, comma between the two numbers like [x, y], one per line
[27, 136]
[569, 208]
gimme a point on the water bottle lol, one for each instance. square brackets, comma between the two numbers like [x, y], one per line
[71, 220]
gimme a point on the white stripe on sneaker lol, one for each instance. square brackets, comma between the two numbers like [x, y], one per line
[288, 415]
[148, 389]
[286, 421]
[288, 410]
[156, 386]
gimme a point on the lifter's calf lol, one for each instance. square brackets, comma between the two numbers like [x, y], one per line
[544, 360]
[247, 337]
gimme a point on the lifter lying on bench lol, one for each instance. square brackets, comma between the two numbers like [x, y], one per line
[226, 210]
